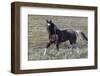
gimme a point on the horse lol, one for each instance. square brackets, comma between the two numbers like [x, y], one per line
[57, 36]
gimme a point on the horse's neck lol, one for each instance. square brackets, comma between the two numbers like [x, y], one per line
[55, 31]
[56, 28]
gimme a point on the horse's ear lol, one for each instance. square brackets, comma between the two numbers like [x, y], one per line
[47, 21]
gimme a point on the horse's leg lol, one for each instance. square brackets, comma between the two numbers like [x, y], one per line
[71, 43]
[48, 45]
[75, 46]
[57, 46]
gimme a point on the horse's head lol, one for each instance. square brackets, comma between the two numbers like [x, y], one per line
[50, 23]
[50, 26]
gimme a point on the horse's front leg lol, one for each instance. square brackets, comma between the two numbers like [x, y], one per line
[57, 47]
[48, 45]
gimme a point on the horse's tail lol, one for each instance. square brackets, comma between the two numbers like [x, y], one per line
[84, 36]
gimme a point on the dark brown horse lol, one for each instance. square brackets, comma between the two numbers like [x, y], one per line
[58, 36]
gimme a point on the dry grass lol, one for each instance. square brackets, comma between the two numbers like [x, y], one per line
[52, 54]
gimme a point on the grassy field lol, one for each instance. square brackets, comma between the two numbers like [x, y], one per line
[38, 38]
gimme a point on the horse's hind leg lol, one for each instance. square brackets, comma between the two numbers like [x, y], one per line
[73, 44]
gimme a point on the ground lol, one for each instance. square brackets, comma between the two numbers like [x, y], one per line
[38, 38]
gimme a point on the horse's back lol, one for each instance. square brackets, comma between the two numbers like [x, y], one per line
[70, 33]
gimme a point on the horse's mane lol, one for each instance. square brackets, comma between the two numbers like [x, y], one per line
[70, 30]
[55, 26]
